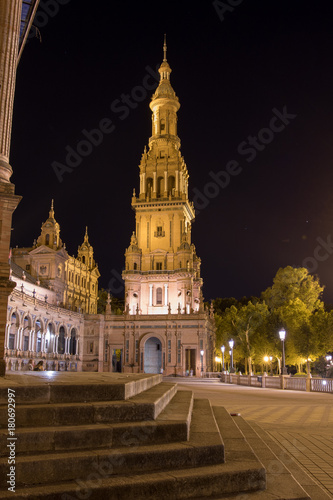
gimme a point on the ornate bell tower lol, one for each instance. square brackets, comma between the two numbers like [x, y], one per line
[162, 273]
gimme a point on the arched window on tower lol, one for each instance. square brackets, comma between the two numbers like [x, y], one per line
[135, 266]
[47, 239]
[162, 126]
[160, 187]
[171, 185]
[159, 296]
[83, 259]
[149, 186]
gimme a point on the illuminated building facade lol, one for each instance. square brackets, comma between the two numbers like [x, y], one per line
[165, 327]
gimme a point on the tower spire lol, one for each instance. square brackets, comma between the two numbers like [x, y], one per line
[164, 49]
[51, 213]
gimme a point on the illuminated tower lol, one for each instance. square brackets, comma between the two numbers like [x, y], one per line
[162, 273]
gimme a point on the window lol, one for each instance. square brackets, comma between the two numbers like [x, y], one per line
[27, 267]
[162, 125]
[158, 266]
[135, 266]
[11, 341]
[47, 239]
[83, 259]
[25, 343]
[159, 231]
[159, 296]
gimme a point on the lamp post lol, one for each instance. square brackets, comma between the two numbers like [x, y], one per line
[202, 353]
[231, 345]
[271, 359]
[266, 362]
[282, 334]
[223, 349]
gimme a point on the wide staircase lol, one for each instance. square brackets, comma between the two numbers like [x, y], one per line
[112, 436]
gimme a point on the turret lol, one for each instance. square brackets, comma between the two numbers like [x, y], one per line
[85, 252]
[50, 234]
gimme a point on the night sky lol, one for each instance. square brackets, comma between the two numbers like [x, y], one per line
[233, 73]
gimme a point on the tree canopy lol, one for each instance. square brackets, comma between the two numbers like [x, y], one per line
[293, 302]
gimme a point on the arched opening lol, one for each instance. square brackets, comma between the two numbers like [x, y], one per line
[25, 340]
[49, 338]
[153, 355]
[160, 187]
[47, 239]
[72, 342]
[38, 329]
[12, 331]
[61, 340]
[83, 259]
[149, 186]
[171, 185]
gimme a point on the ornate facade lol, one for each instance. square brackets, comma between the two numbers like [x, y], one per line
[75, 280]
[45, 313]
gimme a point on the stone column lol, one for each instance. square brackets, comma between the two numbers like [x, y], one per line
[165, 294]
[10, 16]
[150, 295]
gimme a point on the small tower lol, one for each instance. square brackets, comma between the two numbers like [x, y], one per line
[50, 235]
[85, 252]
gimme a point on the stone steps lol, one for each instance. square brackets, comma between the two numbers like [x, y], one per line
[170, 485]
[171, 426]
[144, 406]
[177, 451]
[58, 387]
[133, 453]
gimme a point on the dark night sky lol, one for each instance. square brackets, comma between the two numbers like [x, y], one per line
[229, 76]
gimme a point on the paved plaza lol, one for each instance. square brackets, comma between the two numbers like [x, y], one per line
[302, 423]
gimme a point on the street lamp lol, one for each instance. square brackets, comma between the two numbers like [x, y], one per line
[231, 345]
[282, 334]
[202, 353]
[271, 359]
[266, 361]
[223, 349]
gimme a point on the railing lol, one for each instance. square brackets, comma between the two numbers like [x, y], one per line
[295, 383]
[279, 382]
[273, 382]
[159, 271]
[321, 385]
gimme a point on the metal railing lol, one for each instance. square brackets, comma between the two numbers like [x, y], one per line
[280, 382]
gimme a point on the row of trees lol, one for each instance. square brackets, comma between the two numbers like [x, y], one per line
[294, 303]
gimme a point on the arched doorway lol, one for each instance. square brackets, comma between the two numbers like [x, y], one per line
[153, 356]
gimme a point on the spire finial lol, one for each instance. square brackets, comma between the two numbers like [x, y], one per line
[86, 234]
[52, 210]
[164, 49]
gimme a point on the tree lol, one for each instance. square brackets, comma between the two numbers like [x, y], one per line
[292, 283]
[246, 326]
[294, 299]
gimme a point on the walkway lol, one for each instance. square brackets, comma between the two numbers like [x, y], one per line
[302, 423]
